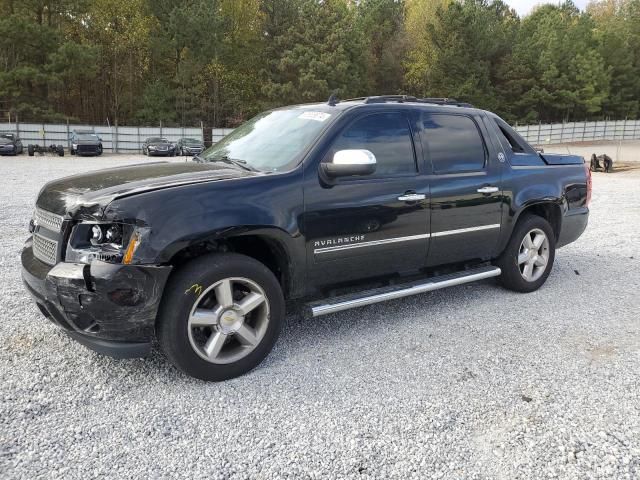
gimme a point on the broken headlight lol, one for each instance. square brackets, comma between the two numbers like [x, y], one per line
[108, 242]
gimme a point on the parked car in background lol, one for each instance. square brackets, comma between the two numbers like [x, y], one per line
[85, 142]
[10, 144]
[158, 146]
[190, 146]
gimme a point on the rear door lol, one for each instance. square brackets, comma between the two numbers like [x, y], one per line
[466, 188]
[373, 225]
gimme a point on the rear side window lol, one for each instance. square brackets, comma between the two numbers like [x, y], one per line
[387, 136]
[454, 143]
[510, 139]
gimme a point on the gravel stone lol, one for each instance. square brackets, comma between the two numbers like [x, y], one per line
[470, 382]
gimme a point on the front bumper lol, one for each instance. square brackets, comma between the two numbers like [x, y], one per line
[7, 150]
[109, 308]
[87, 149]
[192, 151]
[161, 153]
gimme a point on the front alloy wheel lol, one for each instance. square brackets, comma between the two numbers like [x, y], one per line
[220, 315]
[228, 320]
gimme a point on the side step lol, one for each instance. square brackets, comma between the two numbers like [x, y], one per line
[345, 302]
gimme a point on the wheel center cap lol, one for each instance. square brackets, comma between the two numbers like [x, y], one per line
[230, 321]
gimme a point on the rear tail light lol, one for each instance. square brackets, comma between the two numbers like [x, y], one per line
[589, 183]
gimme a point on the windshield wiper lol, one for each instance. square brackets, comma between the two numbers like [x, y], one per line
[231, 161]
[238, 163]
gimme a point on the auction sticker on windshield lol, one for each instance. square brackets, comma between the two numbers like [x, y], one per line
[317, 116]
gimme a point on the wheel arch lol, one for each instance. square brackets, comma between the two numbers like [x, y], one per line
[268, 246]
[550, 209]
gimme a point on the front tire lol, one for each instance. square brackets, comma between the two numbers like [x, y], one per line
[220, 316]
[528, 258]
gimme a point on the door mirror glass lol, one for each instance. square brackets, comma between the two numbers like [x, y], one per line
[350, 162]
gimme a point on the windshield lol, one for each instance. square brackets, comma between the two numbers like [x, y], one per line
[157, 140]
[271, 141]
[8, 136]
[190, 141]
[87, 136]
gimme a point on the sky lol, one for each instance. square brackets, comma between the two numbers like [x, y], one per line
[524, 7]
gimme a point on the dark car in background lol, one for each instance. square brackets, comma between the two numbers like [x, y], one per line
[158, 146]
[189, 146]
[10, 144]
[85, 142]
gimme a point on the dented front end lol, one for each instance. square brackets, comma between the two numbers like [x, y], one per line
[108, 307]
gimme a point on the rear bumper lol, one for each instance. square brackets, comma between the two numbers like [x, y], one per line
[109, 308]
[574, 224]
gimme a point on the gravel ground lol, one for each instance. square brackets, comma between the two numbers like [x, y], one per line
[470, 382]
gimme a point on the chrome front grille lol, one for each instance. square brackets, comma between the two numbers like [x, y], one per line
[44, 249]
[48, 220]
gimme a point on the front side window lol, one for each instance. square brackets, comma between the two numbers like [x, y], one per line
[454, 143]
[387, 136]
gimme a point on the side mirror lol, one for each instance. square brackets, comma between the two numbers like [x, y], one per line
[350, 162]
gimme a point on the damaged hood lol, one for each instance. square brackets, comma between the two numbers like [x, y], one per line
[91, 192]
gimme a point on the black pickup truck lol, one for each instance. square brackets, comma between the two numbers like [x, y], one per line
[334, 205]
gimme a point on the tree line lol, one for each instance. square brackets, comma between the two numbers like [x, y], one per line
[221, 61]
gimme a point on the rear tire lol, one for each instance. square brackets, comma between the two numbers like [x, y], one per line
[528, 258]
[30, 150]
[60, 150]
[213, 335]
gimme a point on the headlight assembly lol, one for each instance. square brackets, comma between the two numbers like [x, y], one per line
[108, 242]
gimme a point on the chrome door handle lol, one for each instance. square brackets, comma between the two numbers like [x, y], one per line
[412, 197]
[488, 190]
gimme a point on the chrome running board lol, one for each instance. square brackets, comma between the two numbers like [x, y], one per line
[345, 302]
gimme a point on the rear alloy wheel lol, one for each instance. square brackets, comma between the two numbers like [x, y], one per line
[533, 255]
[528, 258]
[220, 316]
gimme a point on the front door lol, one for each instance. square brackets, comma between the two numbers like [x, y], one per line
[466, 190]
[368, 226]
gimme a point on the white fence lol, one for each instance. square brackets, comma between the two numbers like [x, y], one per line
[580, 131]
[129, 139]
[114, 139]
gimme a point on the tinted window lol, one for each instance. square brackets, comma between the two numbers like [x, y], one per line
[387, 136]
[454, 142]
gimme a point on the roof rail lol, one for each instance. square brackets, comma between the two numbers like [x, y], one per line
[390, 98]
[333, 100]
[445, 101]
